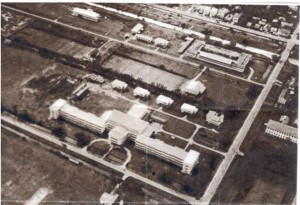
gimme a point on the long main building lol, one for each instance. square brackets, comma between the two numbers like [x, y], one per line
[219, 56]
[123, 125]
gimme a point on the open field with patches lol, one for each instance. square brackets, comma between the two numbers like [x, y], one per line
[26, 167]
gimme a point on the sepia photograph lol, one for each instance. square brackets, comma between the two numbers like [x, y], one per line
[138, 103]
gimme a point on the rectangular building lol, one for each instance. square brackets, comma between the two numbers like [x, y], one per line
[219, 56]
[212, 117]
[175, 155]
[282, 131]
[144, 38]
[61, 108]
[86, 14]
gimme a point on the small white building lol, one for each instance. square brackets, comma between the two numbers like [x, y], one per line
[144, 38]
[117, 135]
[187, 108]
[108, 199]
[161, 42]
[141, 92]
[190, 161]
[236, 17]
[206, 10]
[193, 87]
[213, 12]
[119, 85]
[222, 13]
[138, 111]
[86, 14]
[164, 100]
[212, 117]
[138, 28]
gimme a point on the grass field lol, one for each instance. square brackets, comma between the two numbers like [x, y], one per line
[99, 148]
[26, 167]
[269, 162]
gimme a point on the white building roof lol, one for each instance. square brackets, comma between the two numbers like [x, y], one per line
[138, 91]
[118, 132]
[292, 131]
[206, 10]
[119, 84]
[58, 104]
[193, 87]
[86, 12]
[129, 122]
[138, 110]
[161, 41]
[108, 199]
[85, 116]
[163, 147]
[214, 117]
[213, 11]
[215, 57]
[161, 99]
[144, 37]
[188, 107]
[191, 158]
[137, 28]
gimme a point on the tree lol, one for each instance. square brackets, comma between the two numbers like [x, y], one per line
[275, 58]
[59, 132]
[252, 92]
[82, 140]
[165, 178]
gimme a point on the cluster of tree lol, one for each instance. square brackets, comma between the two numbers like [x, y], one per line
[82, 139]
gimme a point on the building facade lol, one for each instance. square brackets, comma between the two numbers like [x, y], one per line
[282, 131]
[86, 14]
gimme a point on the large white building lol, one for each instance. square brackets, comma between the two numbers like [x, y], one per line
[282, 131]
[212, 117]
[175, 155]
[219, 56]
[61, 108]
[86, 14]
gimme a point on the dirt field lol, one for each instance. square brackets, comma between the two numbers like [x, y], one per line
[157, 61]
[98, 103]
[55, 43]
[269, 162]
[117, 156]
[99, 148]
[176, 126]
[26, 167]
[262, 70]
[226, 91]
[145, 72]
[133, 191]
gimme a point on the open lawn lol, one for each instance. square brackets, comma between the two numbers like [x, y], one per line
[268, 166]
[26, 167]
[117, 155]
[133, 191]
[99, 148]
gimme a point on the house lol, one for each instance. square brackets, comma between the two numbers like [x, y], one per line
[141, 92]
[266, 27]
[236, 17]
[119, 85]
[138, 28]
[283, 96]
[187, 108]
[284, 119]
[222, 13]
[164, 100]
[213, 12]
[161, 42]
[200, 9]
[206, 10]
[249, 24]
[282, 131]
[86, 14]
[285, 29]
[144, 38]
[257, 26]
[193, 87]
[108, 199]
[212, 117]
[273, 30]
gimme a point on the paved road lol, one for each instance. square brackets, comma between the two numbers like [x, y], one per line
[119, 41]
[234, 149]
[53, 139]
[223, 24]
